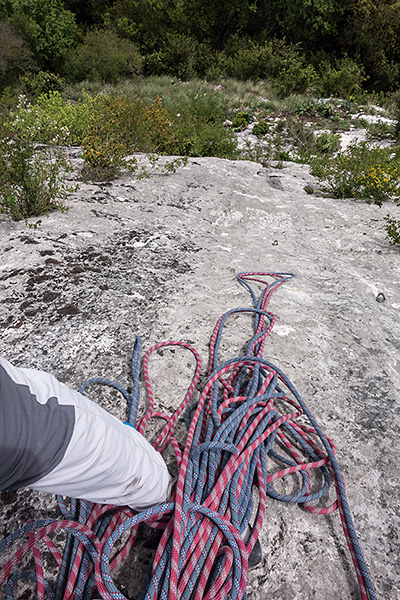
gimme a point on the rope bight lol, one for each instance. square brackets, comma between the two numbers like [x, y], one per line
[245, 423]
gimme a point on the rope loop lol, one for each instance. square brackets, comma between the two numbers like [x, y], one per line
[250, 437]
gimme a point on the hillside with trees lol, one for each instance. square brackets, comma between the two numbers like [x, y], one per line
[327, 40]
[187, 78]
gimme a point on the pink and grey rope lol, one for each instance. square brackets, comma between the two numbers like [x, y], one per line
[247, 413]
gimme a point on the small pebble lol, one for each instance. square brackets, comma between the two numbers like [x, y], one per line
[380, 297]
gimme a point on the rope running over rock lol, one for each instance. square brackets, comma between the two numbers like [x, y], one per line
[249, 419]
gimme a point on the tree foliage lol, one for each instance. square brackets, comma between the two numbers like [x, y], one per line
[48, 28]
[15, 56]
[103, 56]
[194, 37]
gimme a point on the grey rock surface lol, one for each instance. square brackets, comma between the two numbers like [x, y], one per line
[158, 257]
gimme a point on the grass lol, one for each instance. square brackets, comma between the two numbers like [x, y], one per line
[236, 95]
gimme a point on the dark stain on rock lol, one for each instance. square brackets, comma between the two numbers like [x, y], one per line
[275, 182]
[68, 309]
[38, 279]
[75, 269]
[28, 240]
[12, 273]
[25, 305]
[50, 296]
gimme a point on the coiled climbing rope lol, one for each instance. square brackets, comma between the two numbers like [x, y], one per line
[248, 417]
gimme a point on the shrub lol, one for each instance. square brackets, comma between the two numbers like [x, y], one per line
[121, 126]
[343, 78]
[198, 138]
[106, 141]
[381, 130]
[206, 106]
[262, 128]
[51, 113]
[181, 56]
[74, 116]
[198, 124]
[380, 182]
[40, 83]
[326, 109]
[246, 59]
[308, 107]
[275, 60]
[360, 172]
[220, 67]
[104, 158]
[392, 228]
[293, 75]
[241, 119]
[32, 180]
[103, 56]
[282, 155]
[327, 143]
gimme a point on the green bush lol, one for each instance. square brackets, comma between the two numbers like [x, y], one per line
[181, 56]
[327, 143]
[121, 126]
[74, 116]
[103, 56]
[198, 123]
[36, 123]
[241, 119]
[51, 113]
[197, 138]
[44, 82]
[262, 128]
[275, 60]
[326, 109]
[246, 59]
[111, 127]
[361, 172]
[343, 78]
[392, 228]
[308, 107]
[294, 75]
[207, 107]
[380, 130]
[32, 179]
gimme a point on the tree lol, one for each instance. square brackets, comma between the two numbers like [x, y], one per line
[313, 23]
[15, 56]
[216, 21]
[145, 22]
[90, 12]
[48, 28]
[103, 56]
[373, 32]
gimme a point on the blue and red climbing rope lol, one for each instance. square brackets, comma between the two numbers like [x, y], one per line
[247, 418]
